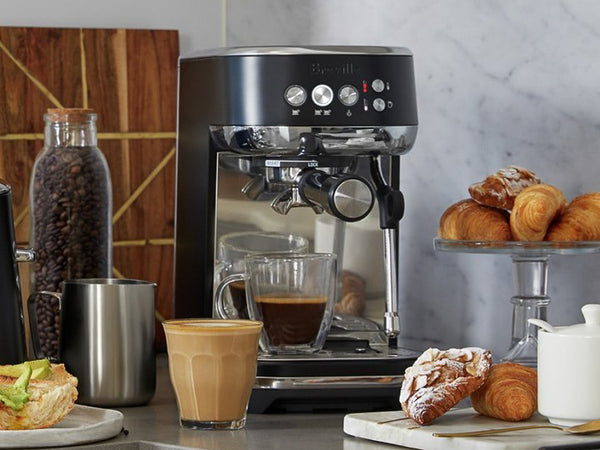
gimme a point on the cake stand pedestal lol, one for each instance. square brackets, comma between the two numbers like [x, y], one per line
[530, 273]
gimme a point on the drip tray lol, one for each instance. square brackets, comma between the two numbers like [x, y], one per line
[347, 375]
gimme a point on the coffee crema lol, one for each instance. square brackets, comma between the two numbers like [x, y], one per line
[290, 320]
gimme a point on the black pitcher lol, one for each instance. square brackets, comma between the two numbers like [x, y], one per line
[12, 332]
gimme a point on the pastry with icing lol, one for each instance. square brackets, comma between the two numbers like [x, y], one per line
[500, 189]
[439, 379]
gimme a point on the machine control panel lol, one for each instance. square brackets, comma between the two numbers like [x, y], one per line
[315, 88]
[348, 99]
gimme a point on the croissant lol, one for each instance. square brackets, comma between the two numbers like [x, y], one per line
[500, 189]
[509, 393]
[438, 380]
[534, 209]
[579, 222]
[468, 220]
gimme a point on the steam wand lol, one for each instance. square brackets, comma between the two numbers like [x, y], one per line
[391, 210]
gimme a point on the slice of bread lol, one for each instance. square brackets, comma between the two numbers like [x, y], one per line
[50, 400]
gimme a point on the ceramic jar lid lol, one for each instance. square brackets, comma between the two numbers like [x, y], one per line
[591, 327]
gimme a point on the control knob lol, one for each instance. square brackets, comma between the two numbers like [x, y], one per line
[295, 95]
[322, 95]
[348, 95]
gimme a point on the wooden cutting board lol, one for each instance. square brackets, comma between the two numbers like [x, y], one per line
[129, 77]
[409, 434]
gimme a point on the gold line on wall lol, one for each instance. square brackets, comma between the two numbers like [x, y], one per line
[142, 242]
[21, 216]
[101, 135]
[29, 75]
[143, 186]
[84, 90]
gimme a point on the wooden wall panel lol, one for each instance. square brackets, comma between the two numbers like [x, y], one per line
[129, 77]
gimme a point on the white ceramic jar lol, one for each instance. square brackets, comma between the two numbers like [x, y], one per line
[569, 370]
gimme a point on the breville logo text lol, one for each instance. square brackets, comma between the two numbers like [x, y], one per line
[340, 69]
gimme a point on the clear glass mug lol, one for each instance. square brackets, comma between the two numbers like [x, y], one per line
[232, 248]
[293, 295]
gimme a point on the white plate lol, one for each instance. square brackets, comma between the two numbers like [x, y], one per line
[84, 424]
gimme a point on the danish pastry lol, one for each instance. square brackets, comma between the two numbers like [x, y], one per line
[579, 222]
[468, 220]
[534, 209]
[438, 380]
[500, 189]
[509, 393]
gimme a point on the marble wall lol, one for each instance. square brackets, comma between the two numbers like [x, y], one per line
[498, 83]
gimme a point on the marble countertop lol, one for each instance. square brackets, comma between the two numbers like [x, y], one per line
[156, 426]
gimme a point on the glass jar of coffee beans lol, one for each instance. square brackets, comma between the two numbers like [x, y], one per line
[70, 210]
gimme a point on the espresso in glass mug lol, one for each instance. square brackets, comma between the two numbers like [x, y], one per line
[293, 295]
[232, 248]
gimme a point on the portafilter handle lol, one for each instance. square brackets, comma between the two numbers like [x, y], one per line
[347, 197]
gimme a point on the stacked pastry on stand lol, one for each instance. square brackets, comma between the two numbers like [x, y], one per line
[513, 204]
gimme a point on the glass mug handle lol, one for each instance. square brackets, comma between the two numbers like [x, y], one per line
[221, 310]
[33, 320]
[221, 267]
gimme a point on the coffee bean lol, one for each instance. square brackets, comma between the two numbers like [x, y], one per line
[71, 227]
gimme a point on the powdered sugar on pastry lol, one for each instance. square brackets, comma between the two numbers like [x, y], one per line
[438, 380]
[500, 189]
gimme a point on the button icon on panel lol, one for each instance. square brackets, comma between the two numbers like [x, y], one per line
[378, 85]
[378, 104]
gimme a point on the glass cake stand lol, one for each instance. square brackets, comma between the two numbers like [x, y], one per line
[530, 271]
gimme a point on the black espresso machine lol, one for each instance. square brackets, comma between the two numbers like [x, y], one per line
[267, 135]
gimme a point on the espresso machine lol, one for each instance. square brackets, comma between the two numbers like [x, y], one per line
[267, 138]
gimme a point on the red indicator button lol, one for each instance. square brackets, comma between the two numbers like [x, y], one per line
[365, 87]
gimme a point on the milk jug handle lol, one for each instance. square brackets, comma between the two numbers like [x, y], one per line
[221, 310]
[33, 321]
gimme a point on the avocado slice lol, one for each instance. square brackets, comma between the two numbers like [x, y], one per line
[16, 395]
[41, 369]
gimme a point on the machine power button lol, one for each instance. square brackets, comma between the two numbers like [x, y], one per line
[322, 95]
